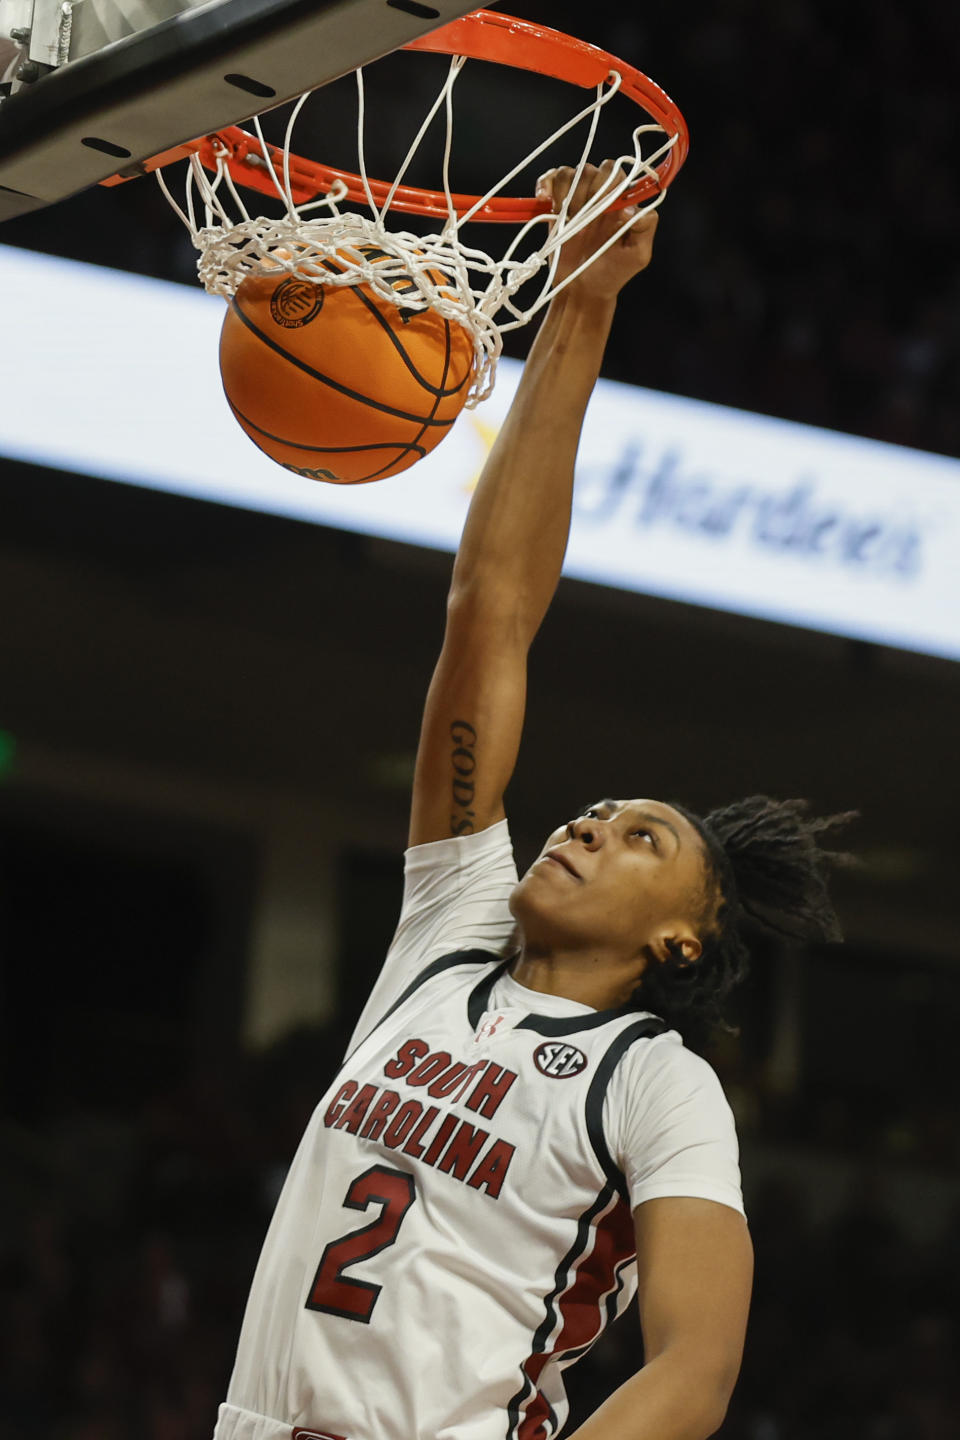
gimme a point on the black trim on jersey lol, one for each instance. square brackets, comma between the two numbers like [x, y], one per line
[643, 1030]
[436, 967]
[571, 1024]
[479, 1003]
[561, 1282]
[480, 994]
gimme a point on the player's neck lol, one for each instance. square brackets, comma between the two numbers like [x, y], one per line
[591, 979]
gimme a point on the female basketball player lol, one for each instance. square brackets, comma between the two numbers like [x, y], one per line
[516, 1143]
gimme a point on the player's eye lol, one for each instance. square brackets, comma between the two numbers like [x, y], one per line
[647, 835]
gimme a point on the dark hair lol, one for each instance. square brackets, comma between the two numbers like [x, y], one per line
[765, 869]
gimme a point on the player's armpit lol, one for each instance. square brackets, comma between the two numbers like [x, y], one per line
[695, 1272]
[471, 729]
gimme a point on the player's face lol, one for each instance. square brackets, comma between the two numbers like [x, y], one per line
[622, 878]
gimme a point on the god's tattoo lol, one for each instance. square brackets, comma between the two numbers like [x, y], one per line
[464, 762]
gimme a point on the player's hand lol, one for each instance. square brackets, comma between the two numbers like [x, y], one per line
[605, 277]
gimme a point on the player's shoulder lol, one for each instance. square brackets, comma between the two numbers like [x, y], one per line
[490, 847]
[663, 1066]
[463, 875]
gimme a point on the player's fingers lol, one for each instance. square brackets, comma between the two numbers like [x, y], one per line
[604, 176]
[545, 186]
[639, 239]
[644, 229]
[594, 179]
[554, 185]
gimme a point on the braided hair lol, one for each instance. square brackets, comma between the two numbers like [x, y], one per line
[765, 870]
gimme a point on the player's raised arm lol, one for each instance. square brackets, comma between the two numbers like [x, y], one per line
[513, 543]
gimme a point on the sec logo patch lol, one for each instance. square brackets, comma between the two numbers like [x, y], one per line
[559, 1060]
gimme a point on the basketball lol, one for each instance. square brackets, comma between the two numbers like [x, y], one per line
[336, 383]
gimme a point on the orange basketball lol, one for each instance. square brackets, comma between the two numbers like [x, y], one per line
[335, 383]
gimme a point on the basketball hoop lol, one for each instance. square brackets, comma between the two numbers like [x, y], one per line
[462, 283]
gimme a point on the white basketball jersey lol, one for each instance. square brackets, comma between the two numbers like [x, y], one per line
[453, 1231]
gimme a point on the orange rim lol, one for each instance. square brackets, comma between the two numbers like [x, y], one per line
[481, 35]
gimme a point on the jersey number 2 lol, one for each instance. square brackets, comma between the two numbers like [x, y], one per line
[332, 1291]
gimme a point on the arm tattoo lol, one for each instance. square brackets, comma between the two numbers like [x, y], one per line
[464, 761]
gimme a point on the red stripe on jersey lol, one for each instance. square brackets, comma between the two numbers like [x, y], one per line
[581, 1308]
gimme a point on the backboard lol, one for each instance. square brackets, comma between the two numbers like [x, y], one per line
[97, 87]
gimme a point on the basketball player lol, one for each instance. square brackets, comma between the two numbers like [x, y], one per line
[517, 1142]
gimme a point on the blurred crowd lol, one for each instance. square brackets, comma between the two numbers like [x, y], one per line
[130, 1237]
[809, 259]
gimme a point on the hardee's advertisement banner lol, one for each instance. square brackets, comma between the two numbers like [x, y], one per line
[109, 374]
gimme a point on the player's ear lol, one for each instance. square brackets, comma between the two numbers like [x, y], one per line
[675, 941]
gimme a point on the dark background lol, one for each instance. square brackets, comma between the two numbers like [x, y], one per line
[210, 707]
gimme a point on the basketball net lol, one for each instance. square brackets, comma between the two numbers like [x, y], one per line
[462, 283]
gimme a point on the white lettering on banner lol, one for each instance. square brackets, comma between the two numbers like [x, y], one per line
[674, 497]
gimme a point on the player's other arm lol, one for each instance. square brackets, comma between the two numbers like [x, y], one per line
[695, 1264]
[513, 543]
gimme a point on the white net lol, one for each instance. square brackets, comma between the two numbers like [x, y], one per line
[462, 283]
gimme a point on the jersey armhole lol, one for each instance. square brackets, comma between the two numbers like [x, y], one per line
[645, 1029]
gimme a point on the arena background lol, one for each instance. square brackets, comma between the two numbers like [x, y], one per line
[208, 721]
